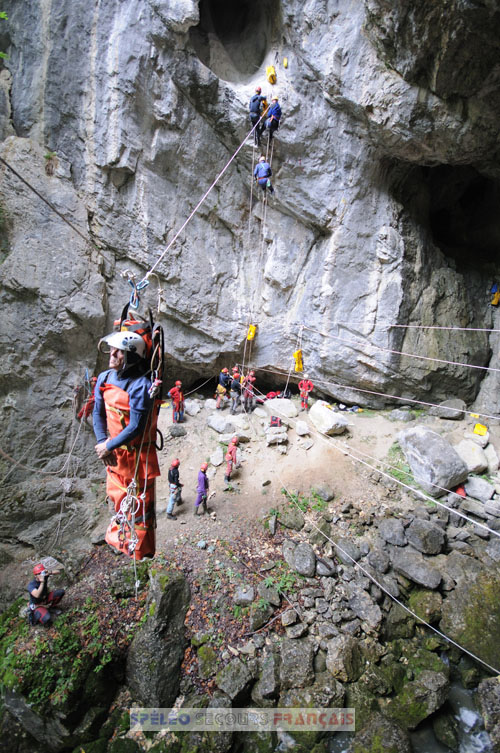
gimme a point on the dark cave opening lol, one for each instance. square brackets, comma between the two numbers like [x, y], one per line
[232, 39]
[460, 206]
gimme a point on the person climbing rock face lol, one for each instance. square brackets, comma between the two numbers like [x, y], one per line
[273, 117]
[256, 106]
[262, 174]
[42, 601]
[125, 417]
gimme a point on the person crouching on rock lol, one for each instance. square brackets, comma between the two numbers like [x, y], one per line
[42, 601]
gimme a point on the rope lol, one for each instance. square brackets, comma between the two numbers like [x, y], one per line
[326, 383]
[199, 386]
[394, 598]
[452, 329]
[401, 353]
[56, 211]
[219, 176]
[344, 450]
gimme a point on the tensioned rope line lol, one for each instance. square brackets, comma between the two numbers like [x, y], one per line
[324, 382]
[434, 326]
[421, 494]
[386, 591]
[399, 352]
[54, 209]
[219, 176]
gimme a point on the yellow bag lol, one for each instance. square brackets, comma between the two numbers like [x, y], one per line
[496, 299]
[299, 366]
[271, 74]
[251, 332]
[480, 429]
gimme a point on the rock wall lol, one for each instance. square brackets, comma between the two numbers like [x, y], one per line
[385, 167]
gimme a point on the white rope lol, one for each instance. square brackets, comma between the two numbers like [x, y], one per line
[326, 383]
[399, 352]
[344, 450]
[219, 176]
[382, 588]
[451, 329]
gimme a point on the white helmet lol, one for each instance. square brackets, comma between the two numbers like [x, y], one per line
[129, 342]
[262, 159]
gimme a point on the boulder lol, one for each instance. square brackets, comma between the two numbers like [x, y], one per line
[425, 536]
[192, 407]
[176, 430]
[343, 659]
[296, 670]
[268, 683]
[399, 414]
[492, 459]
[412, 565]
[432, 459]
[479, 488]
[392, 531]
[472, 455]
[480, 439]
[453, 409]
[220, 423]
[380, 733]
[302, 429]
[488, 695]
[326, 420]
[155, 656]
[426, 604]
[291, 517]
[346, 550]
[281, 407]
[304, 560]
[418, 699]
[324, 491]
[217, 456]
[234, 679]
[288, 550]
[243, 595]
[365, 608]
[379, 560]
[471, 616]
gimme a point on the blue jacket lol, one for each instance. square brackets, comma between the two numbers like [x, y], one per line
[256, 104]
[274, 111]
[262, 170]
[140, 405]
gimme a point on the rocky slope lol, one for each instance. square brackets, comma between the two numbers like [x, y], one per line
[386, 167]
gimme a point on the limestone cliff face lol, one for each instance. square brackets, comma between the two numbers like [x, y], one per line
[386, 170]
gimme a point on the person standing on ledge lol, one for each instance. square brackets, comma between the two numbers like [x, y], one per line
[257, 103]
[177, 397]
[305, 387]
[273, 117]
[125, 419]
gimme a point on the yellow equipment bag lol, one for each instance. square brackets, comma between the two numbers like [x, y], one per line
[480, 429]
[299, 366]
[251, 332]
[496, 299]
[285, 62]
[271, 74]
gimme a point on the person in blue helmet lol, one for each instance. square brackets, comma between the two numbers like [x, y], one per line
[255, 112]
[262, 174]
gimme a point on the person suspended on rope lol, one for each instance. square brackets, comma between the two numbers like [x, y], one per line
[256, 108]
[262, 174]
[125, 417]
[202, 490]
[273, 117]
[177, 397]
[231, 458]
[235, 392]
[42, 601]
[248, 391]
[88, 406]
[175, 487]
[305, 387]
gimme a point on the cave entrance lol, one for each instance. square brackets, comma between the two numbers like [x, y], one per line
[233, 38]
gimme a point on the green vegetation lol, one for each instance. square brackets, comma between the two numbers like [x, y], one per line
[4, 17]
[400, 470]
